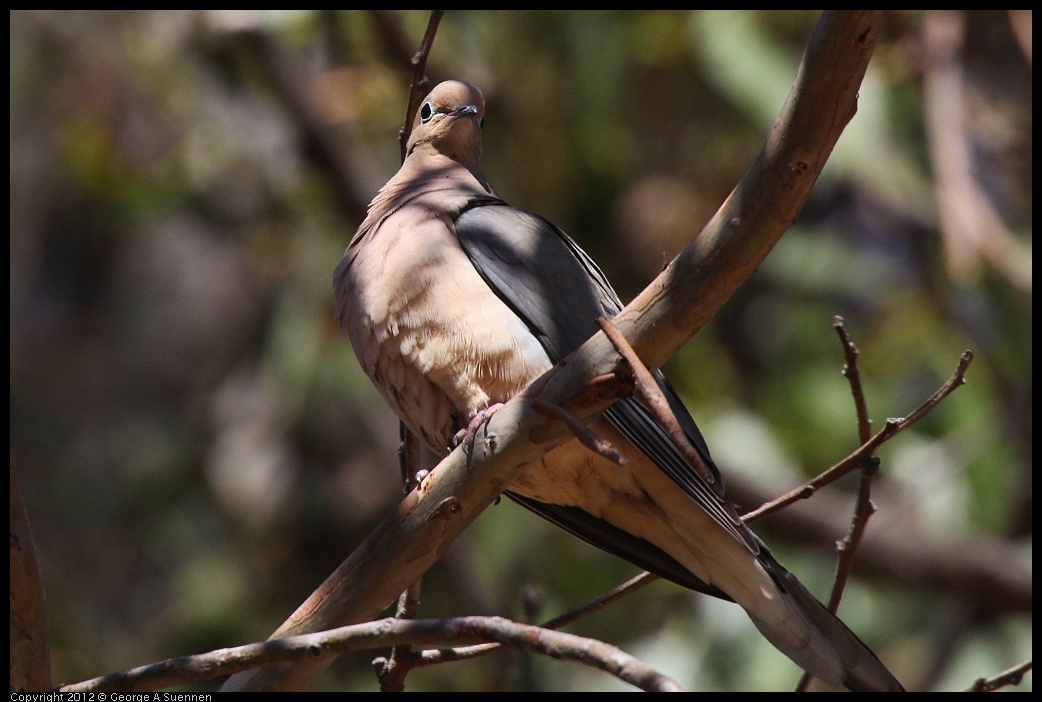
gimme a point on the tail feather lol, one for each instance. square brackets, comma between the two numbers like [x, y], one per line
[863, 671]
[829, 650]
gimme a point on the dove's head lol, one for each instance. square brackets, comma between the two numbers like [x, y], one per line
[449, 120]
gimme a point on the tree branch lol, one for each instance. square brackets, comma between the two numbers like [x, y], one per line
[378, 634]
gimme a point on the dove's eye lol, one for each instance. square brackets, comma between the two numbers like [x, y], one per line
[426, 112]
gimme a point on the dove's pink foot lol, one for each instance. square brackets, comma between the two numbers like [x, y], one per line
[467, 435]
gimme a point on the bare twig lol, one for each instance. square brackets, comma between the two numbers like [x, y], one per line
[829, 475]
[649, 391]
[392, 671]
[1013, 676]
[632, 585]
[420, 85]
[586, 436]
[863, 508]
[432, 657]
[983, 572]
[378, 634]
[853, 376]
[957, 379]
[889, 430]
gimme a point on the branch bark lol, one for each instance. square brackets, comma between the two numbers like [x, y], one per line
[382, 633]
[662, 318]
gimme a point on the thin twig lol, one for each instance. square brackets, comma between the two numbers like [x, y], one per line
[392, 671]
[958, 378]
[1013, 676]
[889, 430]
[632, 585]
[446, 655]
[420, 84]
[863, 507]
[649, 391]
[853, 376]
[586, 436]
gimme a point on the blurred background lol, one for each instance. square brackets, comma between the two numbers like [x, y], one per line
[198, 448]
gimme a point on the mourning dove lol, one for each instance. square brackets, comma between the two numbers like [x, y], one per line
[454, 302]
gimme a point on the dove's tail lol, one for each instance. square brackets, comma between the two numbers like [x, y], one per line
[816, 639]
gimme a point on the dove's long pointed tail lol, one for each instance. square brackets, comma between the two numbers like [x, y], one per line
[817, 640]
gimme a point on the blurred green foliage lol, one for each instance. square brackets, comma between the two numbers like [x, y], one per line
[199, 448]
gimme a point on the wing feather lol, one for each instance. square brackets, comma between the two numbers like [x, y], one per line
[558, 290]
